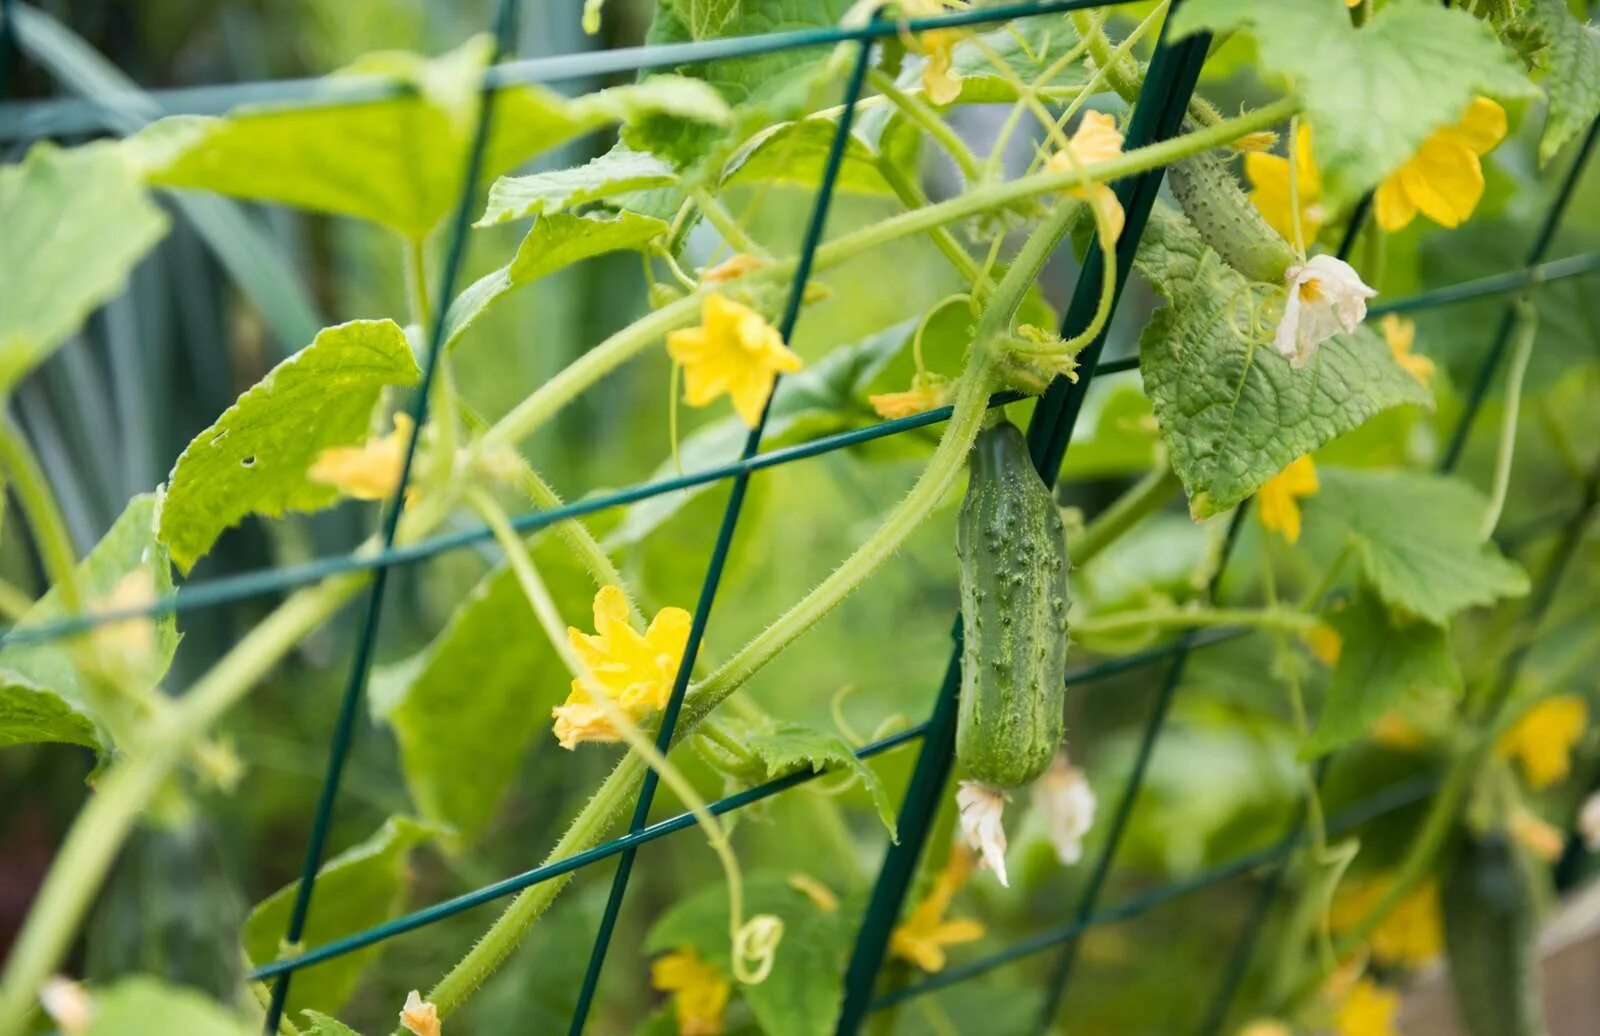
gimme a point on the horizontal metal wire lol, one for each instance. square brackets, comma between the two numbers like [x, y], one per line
[30, 119]
[516, 883]
[209, 593]
[1395, 797]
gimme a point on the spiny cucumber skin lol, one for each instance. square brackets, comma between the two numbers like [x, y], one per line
[1012, 548]
[1491, 927]
[1212, 200]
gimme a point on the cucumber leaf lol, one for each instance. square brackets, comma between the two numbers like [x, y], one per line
[792, 748]
[254, 458]
[618, 171]
[1570, 64]
[142, 1005]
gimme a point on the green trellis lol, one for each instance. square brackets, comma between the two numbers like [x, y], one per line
[1173, 72]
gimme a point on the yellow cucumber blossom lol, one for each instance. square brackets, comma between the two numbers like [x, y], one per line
[1324, 297]
[1278, 502]
[923, 936]
[1367, 1010]
[420, 1016]
[731, 269]
[1541, 741]
[733, 351]
[634, 670]
[1269, 188]
[1401, 334]
[370, 471]
[1444, 179]
[982, 807]
[1410, 935]
[1265, 140]
[1065, 801]
[699, 992]
[926, 393]
[940, 81]
[1097, 140]
[1541, 838]
[1324, 641]
[67, 1004]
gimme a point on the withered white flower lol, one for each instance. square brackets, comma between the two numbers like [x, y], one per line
[1589, 822]
[981, 806]
[67, 1004]
[1326, 297]
[1066, 804]
[420, 1016]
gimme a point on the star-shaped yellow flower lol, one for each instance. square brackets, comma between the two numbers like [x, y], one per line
[1278, 501]
[1325, 643]
[1541, 741]
[923, 935]
[1269, 188]
[1444, 179]
[1097, 140]
[634, 670]
[370, 471]
[1401, 334]
[733, 351]
[1410, 935]
[699, 992]
[1368, 1010]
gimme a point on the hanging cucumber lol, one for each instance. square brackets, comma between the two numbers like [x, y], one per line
[1212, 200]
[1491, 928]
[1013, 556]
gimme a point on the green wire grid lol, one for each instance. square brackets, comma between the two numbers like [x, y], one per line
[1173, 72]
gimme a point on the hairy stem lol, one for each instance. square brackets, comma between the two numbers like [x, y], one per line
[44, 517]
[1144, 498]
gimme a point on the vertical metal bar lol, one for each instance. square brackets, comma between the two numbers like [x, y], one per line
[719, 553]
[1171, 76]
[349, 705]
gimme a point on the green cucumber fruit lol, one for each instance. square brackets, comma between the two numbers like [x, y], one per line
[1219, 209]
[1491, 927]
[1013, 554]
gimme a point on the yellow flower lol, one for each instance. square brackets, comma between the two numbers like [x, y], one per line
[1266, 1027]
[1541, 838]
[1541, 741]
[924, 934]
[1278, 501]
[734, 350]
[1393, 730]
[634, 670]
[731, 269]
[1262, 141]
[1269, 188]
[419, 1016]
[1368, 1010]
[370, 471]
[1444, 179]
[1411, 934]
[1325, 643]
[1401, 333]
[939, 79]
[891, 405]
[1097, 140]
[699, 992]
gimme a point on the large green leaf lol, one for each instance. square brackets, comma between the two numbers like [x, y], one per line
[482, 690]
[363, 886]
[75, 224]
[801, 995]
[1416, 537]
[142, 1005]
[45, 693]
[254, 458]
[1232, 410]
[399, 162]
[555, 240]
[796, 153]
[1383, 660]
[618, 171]
[1372, 95]
[1570, 63]
[789, 748]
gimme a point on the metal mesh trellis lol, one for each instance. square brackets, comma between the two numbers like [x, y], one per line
[1173, 72]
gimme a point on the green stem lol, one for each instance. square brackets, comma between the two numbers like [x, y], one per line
[917, 110]
[416, 262]
[912, 196]
[1521, 352]
[720, 218]
[14, 603]
[1169, 618]
[125, 789]
[576, 535]
[1143, 499]
[529, 415]
[43, 516]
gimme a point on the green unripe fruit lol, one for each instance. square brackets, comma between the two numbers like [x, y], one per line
[1214, 203]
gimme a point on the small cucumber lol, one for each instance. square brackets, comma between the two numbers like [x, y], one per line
[1491, 926]
[1013, 555]
[1213, 201]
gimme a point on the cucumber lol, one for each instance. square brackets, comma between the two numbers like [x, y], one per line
[1219, 209]
[1013, 556]
[1491, 927]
